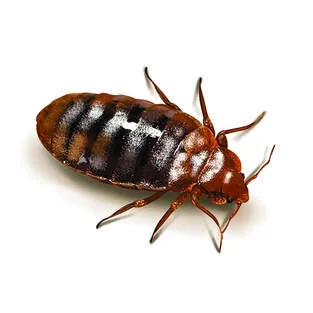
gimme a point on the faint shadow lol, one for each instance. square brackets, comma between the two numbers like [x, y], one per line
[213, 237]
[157, 235]
[50, 171]
[195, 100]
[238, 136]
[250, 214]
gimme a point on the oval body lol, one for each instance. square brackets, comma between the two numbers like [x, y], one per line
[121, 140]
[137, 144]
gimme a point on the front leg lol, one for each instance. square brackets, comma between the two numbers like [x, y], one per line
[195, 196]
[232, 215]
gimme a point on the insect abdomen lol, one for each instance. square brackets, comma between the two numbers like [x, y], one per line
[117, 139]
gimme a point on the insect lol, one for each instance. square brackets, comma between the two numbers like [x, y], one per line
[137, 144]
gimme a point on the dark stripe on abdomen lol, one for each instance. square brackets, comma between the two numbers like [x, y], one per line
[118, 143]
[74, 124]
[108, 113]
[155, 170]
[101, 150]
[126, 144]
[114, 156]
[142, 158]
[137, 144]
[66, 124]
[135, 114]
[86, 133]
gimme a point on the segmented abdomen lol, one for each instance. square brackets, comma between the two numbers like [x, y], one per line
[117, 139]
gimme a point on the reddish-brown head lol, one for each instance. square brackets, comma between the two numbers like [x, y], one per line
[221, 178]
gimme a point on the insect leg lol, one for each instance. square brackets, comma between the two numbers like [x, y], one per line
[261, 168]
[174, 206]
[232, 215]
[220, 137]
[206, 120]
[247, 182]
[160, 92]
[135, 204]
[195, 202]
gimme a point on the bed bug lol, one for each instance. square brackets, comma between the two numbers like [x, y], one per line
[137, 144]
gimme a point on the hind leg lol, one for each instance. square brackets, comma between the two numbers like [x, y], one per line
[195, 196]
[134, 204]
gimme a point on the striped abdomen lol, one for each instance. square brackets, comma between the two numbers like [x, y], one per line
[117, 139]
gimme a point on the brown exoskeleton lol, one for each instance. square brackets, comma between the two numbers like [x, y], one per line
[138, 144]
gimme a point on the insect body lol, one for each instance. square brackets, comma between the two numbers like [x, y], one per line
[138, 144]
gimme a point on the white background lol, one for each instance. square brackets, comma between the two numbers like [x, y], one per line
[253, 56]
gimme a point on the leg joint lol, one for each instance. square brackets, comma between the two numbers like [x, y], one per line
[140, 203]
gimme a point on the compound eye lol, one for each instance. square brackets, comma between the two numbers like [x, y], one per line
[229, 200]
